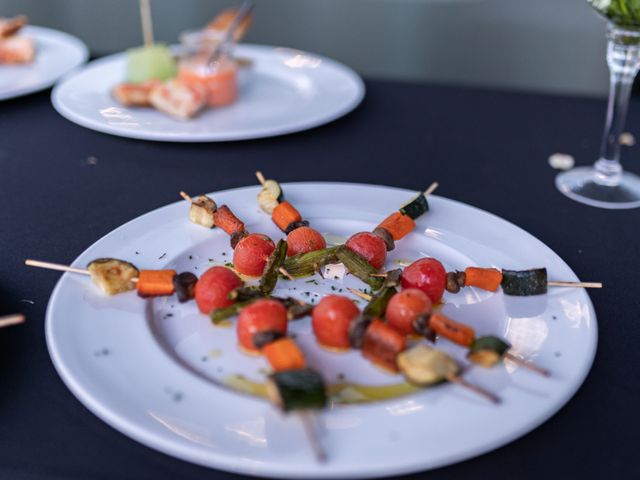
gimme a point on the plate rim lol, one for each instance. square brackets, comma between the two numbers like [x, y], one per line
[211, 137]
[70, 40]
[226, 463]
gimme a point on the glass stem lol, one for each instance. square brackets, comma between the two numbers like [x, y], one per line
[623, 58]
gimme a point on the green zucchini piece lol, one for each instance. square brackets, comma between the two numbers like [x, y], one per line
[245, 293]
[112, 275]
[302, 389]
[306, 264]
[425, 366]
[271, 270]
[416, 207]
[487, 351]
[358, 266]
[270, 196]
[523, 283]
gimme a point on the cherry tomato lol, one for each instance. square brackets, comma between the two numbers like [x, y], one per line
[404, 308]
[260, 316]
[331, 319]
[428, 275]
[370, 246]
[213, 288]
[304, 240]
[251, 254]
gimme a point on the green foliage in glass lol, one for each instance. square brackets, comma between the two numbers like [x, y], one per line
[624, 13]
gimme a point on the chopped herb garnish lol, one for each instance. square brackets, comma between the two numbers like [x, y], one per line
[341, 376]
[335, 277]
[333, 288]
[314, 281]
[162, 256]
[228, 264]
[224, 254]
[190, 257]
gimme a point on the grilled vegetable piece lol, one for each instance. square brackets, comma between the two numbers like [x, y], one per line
[217, 315]
[241, 294]
[451, 330]
[524, 282]
[271, 270]
[377, 306]
[357, 329]
[427, 274]
[283, 354]
[185, 286]
[416, 207]
[284, 214]
[112, 275]
[309, 263]
[421, 326]
[304, 239]
[358, 266]
[295, 312]
[484, 278]
[398, 225]
[405, 308]
[370, 247]
[235, 237]
[155, 283]
[425, 366]
[295, 225]
[227, 221]
[270, 196]
[213, 288]
[455, 281]
[382, 344]
[386, 237]
[202, 211]
[266, 337]
[302, 389]
[487, 351]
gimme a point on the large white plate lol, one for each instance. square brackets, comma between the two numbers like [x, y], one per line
[152, 368]
[286, 91]
[57, 54]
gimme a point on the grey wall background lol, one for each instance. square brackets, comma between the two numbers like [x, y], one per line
[542, 45]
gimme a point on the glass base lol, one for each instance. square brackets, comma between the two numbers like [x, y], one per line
[580, 185]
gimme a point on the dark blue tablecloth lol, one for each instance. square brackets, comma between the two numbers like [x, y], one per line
[63, 187]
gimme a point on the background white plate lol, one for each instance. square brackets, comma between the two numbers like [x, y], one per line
[287, 91]
[149, 368]
[57, 54]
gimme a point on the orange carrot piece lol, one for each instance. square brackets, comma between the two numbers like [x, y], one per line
[398, 225]
[284, 215]
[227, 221]
[155, 283]
[484, 278]
[382, 344]
[284, 354]
[454, 331]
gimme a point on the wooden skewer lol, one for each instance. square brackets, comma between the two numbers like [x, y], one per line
[260, 177]
[312, 435]
[285, 273]
[525, 364]
[360, 294]
[379, 275]
[147, 24]
[431, 189]
[11, 320]
[56, 266]
[575, 284]
[186, 197]
[60, 267]
[474, 388]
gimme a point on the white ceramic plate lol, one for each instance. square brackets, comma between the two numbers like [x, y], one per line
[287, 91]
[152, 368]
[57, 54]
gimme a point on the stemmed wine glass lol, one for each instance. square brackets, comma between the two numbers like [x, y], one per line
[605, 184]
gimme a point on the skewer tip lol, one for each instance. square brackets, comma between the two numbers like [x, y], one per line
[186, 196]
[431, 189]
[260, 177]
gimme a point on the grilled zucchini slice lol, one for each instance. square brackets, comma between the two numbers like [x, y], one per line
[202, 210]
[426, 366]
[416, 207]
[523, 283]
[270, 196]
[301, 389]
[112, 275]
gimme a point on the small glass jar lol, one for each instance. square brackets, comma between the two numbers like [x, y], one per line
[217, 80]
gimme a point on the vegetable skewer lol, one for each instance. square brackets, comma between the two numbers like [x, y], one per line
[9, 320]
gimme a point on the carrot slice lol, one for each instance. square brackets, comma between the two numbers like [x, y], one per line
[454, 331]
[284, 354]
[284, 215]
[398, 225]
[227, 221]
[382, 344]
[484, 278]
[155, 283]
